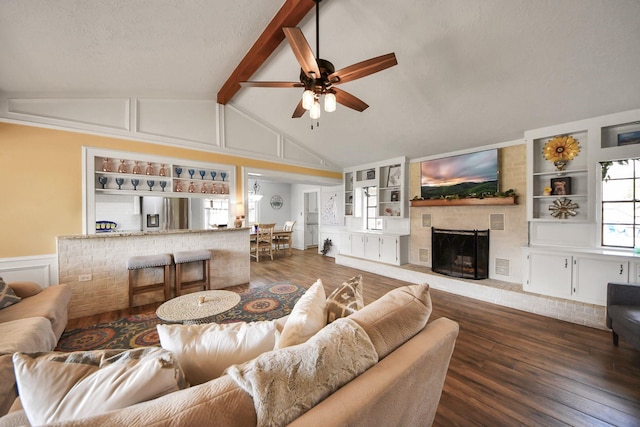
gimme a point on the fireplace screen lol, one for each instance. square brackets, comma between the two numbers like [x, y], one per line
[460, 253]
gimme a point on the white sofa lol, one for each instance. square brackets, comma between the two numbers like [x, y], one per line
[402, 388]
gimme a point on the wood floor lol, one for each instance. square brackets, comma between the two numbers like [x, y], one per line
[509, 368]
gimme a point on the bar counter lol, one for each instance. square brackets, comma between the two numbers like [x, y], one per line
[94, 265]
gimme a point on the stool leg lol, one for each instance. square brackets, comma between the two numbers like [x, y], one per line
[178, 280]
[167, 279]
[207, 277]
[130, 288]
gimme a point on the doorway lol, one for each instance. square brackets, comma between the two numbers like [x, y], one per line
[311, 203]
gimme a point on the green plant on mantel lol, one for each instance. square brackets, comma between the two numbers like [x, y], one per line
[606, 165]
[509, 193]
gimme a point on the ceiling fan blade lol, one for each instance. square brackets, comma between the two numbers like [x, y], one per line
[299, 111]
[348, 100]
[271, 84]
[302, 51]
[364, 68]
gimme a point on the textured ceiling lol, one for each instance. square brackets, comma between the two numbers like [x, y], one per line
[469, 72]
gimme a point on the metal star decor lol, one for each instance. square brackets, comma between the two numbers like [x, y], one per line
[563, 208]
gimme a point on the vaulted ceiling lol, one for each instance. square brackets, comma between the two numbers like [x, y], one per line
[469, 73]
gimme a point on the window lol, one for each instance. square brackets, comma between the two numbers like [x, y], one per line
[216, 211]
[621, 203]
[371, 208]
[252, 213]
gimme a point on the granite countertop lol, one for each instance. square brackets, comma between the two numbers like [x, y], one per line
[150, 233]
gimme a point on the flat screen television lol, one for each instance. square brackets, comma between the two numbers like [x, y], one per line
[465, 175]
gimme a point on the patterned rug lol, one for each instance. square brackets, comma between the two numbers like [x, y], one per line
[264, 303]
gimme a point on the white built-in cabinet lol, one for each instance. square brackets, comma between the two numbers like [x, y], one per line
[574, 275]
[386, 248]
[391, 179]
[564, 257]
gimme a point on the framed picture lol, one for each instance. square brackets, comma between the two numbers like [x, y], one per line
[629, 138]
[395, 196]
[393, 180]
[561, 186]
[153, 220]
[371, 174]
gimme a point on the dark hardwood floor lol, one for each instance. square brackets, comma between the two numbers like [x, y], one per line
[509, 368]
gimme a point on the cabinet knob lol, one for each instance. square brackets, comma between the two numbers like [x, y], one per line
[566, 263]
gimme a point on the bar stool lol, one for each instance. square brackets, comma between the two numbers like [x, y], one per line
[185, 257]
[149, 261]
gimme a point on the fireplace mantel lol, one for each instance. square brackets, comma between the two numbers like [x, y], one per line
[465, 202]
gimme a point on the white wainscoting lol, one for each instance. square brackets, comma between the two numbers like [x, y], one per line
[42, 269]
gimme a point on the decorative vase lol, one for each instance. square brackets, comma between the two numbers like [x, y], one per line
[560, 164]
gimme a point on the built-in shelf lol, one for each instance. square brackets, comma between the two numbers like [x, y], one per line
[465, 202]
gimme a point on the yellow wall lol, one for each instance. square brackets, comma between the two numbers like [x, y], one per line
[41, 179]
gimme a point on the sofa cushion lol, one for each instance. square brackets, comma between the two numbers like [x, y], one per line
[7, 295]
[63, 386]
[25, 289]
[288, 382]
[345, 299]
[205, 351]
[51, 303]
[307, 317]
[395, 317]
[8, 390]
[28, 335]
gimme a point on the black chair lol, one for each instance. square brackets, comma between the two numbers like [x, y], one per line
[623, 312]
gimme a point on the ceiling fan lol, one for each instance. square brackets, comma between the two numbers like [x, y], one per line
[318, 76]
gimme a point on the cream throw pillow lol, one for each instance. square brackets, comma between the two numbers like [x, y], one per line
[57, 387]
[205, 351]
[345, 299]
[308, 316]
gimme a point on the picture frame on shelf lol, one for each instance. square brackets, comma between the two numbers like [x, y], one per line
[629, 138]
[395, 196]
[393, 179]
[371, 174]
[561, 186]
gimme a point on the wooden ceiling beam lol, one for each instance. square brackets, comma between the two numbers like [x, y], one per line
[289, 15]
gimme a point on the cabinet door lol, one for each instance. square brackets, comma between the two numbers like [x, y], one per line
[372, 247]
[550, 274]
[593, 274]
[389, 250]
[345, 243]
[357, 245]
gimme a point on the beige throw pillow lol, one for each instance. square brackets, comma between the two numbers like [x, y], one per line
[25, 289]
[395, 317]
[205, 351]
[345, 299]
[307, 317]
[56, 387]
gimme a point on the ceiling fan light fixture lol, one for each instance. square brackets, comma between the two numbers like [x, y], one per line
[330, 102]
[314, 112]
[308, 97]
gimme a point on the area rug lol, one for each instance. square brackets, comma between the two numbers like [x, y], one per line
[263, 303]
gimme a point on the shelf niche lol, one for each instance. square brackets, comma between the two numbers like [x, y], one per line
[488, 201]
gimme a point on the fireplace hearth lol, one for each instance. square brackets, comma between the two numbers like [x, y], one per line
[460, 253]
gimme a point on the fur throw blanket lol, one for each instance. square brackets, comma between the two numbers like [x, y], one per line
[286, 383]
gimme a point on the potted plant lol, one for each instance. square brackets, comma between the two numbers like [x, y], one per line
[326, 246]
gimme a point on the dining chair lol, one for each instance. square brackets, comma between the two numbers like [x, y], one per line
[263, 243]
[281, 241]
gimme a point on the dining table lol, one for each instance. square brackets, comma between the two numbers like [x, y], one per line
[277, 233]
